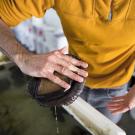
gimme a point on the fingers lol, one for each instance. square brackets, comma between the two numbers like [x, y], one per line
[65, 65]
[73, 60]
[68, 73]
[71, 67]
[115, 108]
[117, 101]
[120, 110]
[113, 104]
[118, 105]
[71, 63]
[120, 98]
[81, 72]
[58, 81]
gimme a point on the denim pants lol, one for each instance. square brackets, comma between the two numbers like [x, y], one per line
[99, 98]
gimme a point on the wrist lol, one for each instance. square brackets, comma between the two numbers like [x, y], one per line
[21, 57]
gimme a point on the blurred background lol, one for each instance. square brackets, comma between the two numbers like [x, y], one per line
[21, 115]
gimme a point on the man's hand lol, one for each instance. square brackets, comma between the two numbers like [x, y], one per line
[44, 65]
[123, 103]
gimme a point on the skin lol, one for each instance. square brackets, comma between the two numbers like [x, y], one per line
[41, 65]
[124, 103]
[44, 65]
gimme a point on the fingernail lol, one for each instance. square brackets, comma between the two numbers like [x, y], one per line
[86, 74]
[81, 80]
[85, 65]
[68, 87]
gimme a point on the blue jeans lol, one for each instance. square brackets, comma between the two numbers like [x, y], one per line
[99, 98]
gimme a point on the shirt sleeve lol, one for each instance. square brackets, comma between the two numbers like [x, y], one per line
[13, 12]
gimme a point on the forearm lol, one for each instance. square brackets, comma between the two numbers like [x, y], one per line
[9, 46]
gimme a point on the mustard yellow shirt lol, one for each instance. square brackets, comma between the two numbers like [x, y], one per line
[107, 45]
